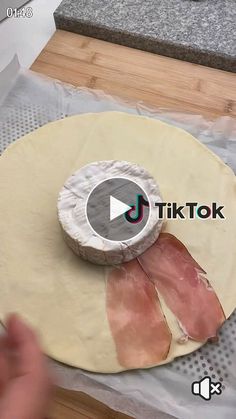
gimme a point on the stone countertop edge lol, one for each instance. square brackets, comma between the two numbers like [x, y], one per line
[150, 44]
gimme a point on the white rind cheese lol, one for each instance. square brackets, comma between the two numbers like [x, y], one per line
[77, 231]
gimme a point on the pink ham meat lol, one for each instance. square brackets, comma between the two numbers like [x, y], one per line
[186, 291]
[138, 326]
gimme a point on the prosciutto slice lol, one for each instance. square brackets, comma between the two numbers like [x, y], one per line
[184, 287]
[138, 326]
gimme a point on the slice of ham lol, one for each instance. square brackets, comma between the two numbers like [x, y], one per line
[138, 326]
[185, 289]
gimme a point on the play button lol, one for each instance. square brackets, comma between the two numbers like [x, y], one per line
[108, 205]
[117, 208]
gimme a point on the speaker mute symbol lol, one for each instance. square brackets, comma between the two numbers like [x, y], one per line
[205, 388]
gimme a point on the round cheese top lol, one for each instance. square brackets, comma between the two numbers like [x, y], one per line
[107, 211]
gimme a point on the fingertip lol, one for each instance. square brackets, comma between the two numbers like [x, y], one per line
[17, 329]
[11, 324]
[11, 319]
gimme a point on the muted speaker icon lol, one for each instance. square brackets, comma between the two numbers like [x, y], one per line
[205, 388]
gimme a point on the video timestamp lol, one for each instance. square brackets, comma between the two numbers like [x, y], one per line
[25, 12]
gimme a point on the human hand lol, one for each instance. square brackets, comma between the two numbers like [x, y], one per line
[25, 384]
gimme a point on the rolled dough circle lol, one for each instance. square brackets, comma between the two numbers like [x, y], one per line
[123, 180]
[63, 296]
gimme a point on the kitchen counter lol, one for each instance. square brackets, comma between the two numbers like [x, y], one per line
[202, 32]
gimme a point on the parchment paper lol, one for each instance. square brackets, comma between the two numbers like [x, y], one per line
[28, 101]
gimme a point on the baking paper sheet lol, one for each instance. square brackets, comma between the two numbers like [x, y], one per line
[28, 101]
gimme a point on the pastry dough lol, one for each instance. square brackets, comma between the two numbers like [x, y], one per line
[59, 293]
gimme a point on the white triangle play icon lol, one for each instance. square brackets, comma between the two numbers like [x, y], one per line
[117, 208]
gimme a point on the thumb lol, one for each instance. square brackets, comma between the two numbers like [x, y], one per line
[23, 341]
[4, 365]
[26, 395]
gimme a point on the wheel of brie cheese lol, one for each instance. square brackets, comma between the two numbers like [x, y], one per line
[106, 211]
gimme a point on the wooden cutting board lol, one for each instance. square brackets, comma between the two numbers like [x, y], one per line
[137, 76]
[76, 405]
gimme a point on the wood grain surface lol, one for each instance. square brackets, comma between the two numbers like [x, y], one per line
[75, 405]
[137, 75]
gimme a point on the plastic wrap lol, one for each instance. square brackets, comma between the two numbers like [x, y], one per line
[28, 101]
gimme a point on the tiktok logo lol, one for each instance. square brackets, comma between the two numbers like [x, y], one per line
[136, 213]
[173, 211]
